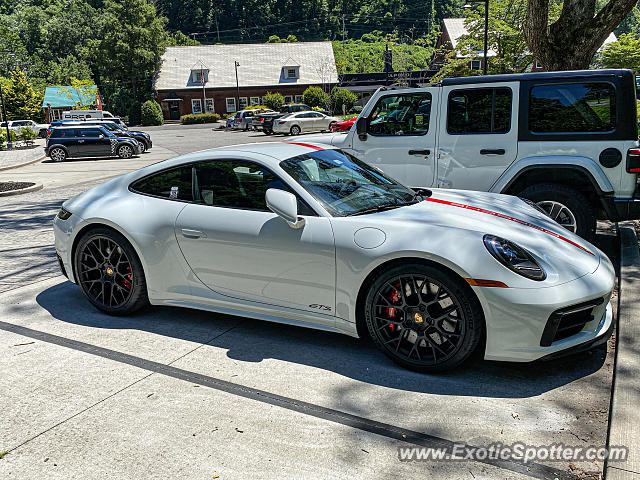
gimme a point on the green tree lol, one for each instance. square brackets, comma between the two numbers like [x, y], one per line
[625, 53]
[316, 97]
[133, 42]
[62, 71]
[273, 100]
[342, 100]
[151, 113]
[80, 90]
[22, 102]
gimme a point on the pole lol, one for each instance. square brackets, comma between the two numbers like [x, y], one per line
[486, 35]
[237, 88]
[4, 116]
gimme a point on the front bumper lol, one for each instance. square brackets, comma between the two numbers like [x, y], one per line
[516, 317]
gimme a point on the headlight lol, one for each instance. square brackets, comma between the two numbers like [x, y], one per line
[63, 214]
[513, 257]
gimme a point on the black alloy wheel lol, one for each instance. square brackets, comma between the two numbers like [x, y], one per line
[423, 319]
[110, 273]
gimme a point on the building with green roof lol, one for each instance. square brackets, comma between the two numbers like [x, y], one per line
[61, 98]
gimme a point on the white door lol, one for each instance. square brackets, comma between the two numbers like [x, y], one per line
[401, 136]
[478, 136]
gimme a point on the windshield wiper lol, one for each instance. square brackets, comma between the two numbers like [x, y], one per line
[379, 208]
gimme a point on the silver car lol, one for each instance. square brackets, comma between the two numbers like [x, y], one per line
[295, 233]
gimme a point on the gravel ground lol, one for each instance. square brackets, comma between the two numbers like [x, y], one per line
[7, 186]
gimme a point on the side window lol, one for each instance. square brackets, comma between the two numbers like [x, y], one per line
[572, 108]
[479, 110]
[405, 114]
[89, 132]
[63, 133]
[174, 183]
[237, 184]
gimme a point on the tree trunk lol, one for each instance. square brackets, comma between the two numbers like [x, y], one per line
[571, 42]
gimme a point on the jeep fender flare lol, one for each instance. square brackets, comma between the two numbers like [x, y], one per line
[586, 166]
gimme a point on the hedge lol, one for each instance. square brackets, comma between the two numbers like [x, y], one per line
[151, 113]
[199, 118]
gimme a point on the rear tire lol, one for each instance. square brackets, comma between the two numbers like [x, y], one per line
[58, 154]
[295, 130]
[110, 273]
[565, 205]
[423, 318]
[143, 147]
[267, 132]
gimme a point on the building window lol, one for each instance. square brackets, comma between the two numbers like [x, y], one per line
[538, 65]
[243, 102]
[231, 105]
[298, 98]
[288, 99]
[254, 100]
[196, 105]
[476, 65]
[210, 105]
[292, 72]
[200, 76]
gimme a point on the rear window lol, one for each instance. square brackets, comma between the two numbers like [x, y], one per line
[174, 183]
[63, 133]
[572, 108]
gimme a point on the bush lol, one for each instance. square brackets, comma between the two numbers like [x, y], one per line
[26, 134]
[274, 101]
[193, 118]
[151, 113]
[255, 107]
[342, 100]
[316, 97]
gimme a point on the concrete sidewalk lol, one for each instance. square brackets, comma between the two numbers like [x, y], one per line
[625, 414]
[22, 156]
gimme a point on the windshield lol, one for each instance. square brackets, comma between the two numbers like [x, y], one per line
[346, 186]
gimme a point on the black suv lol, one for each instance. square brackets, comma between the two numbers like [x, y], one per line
[119, 131]
[88, 141]
[264, 122]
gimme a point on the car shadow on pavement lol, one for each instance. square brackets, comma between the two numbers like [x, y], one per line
[253, 341]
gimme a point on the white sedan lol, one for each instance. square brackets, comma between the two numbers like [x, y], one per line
[310, 121]
[303, 235]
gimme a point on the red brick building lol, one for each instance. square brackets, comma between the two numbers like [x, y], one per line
[202, 78]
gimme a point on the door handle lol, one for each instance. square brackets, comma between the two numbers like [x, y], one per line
[187, 232]
[495, 151]
[80, 141]
[419, 152]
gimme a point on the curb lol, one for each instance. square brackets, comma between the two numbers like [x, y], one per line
[33, 188]
[625, 414]
[23, 164]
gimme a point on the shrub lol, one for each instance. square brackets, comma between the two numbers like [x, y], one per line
[151, 113]
[27, 133]
[255, 107]
[316, 97]
[274, 101]
[194, 118]
[342, 100]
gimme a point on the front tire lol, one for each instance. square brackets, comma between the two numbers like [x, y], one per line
[58, 154]
[268, 132]
[125, 151]
[295, 130]
[423, 318]
[143, 147]
[570, 208]
[110, 273]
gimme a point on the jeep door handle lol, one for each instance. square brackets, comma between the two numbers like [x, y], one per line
[495, 151]
[419, 152]
[187, 232]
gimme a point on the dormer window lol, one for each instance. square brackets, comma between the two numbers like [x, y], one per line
[291, 72]
[200, 76]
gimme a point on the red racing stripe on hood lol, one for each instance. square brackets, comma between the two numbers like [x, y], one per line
[507, 217]
[306, 145]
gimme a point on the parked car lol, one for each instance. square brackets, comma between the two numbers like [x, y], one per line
[296, 123]
[231, 120]
[88, 141]
[75, 115]
[429, 276]
[567, 141]
[243, 120]
[143, 138]
[17, 125]
[264, 121]
[343, 125]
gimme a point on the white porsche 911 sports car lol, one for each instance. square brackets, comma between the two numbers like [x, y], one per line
[306, 235]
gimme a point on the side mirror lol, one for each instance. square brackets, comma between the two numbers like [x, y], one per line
[285, 205]
[361, 127]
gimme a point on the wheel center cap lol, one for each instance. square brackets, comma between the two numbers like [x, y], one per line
[417, 318]
[109, 271]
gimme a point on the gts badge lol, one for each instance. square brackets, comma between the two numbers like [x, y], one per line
[322, 308]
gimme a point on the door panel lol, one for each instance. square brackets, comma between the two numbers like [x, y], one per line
[255, 255]
[478, 138]
[401, 136]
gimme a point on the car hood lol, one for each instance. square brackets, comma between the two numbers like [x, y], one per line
[508, 217]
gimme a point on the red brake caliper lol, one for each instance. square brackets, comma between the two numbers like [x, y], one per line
[391, 311]
[130, 279]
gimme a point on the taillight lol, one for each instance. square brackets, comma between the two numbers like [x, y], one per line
[633, 160]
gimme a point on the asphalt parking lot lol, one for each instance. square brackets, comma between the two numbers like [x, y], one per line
[173, 393]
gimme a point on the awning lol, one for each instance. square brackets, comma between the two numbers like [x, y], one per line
[173, 97]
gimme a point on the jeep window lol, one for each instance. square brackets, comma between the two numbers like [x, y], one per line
[571, 108]
[479, 111]
[401, 115]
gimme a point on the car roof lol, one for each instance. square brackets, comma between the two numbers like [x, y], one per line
[535, 76]
[67, 126]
